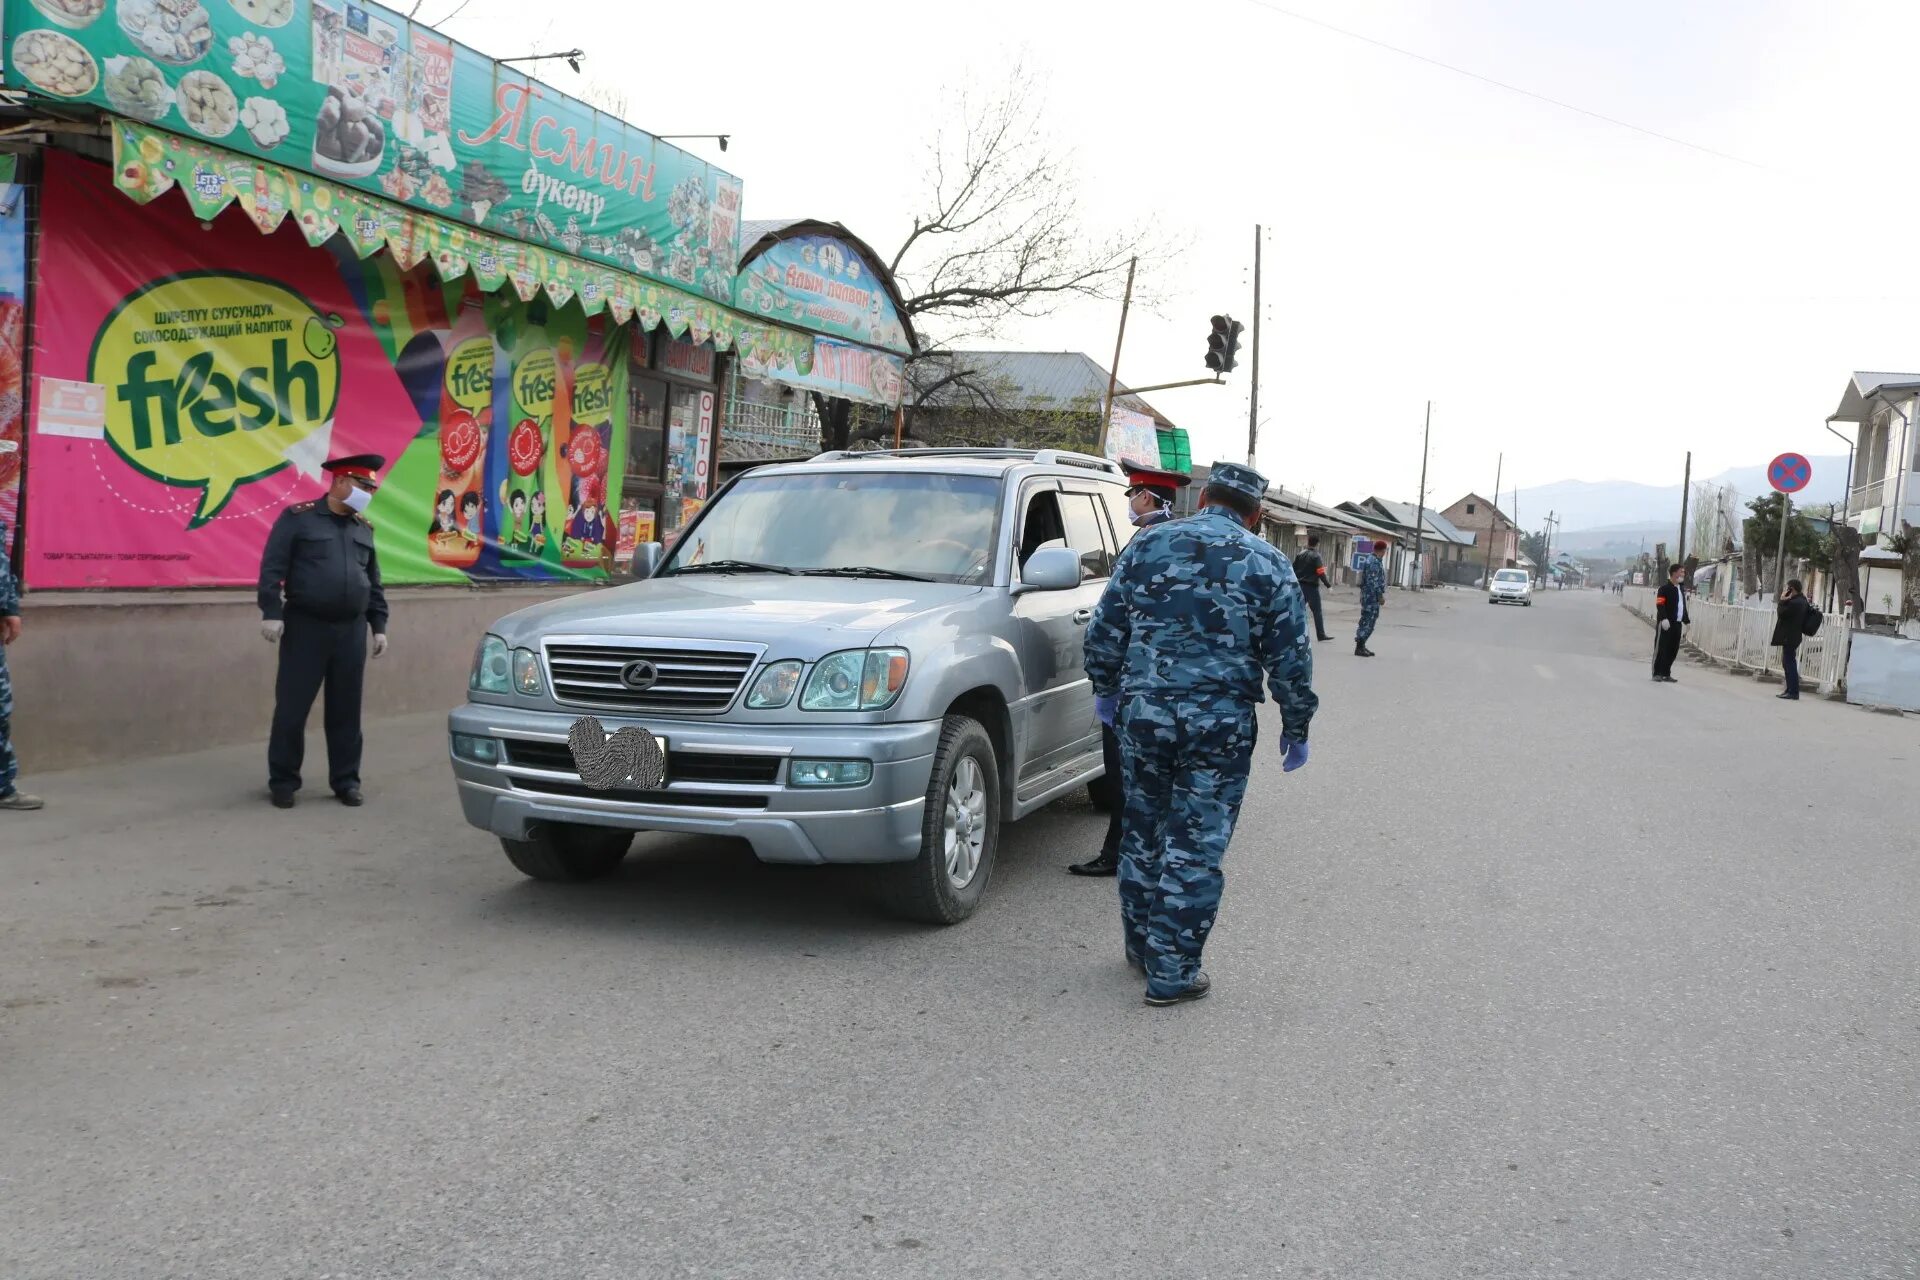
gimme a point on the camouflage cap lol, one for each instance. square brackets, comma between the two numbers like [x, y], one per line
[1239, 479]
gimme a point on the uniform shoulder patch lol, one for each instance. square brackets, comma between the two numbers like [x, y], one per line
[301, 508]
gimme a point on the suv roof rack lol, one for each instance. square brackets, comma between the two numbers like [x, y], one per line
[1042, 457]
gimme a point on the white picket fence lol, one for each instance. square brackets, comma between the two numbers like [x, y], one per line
[1738, 635]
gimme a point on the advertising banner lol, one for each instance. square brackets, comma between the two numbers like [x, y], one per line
[823, 284]
[13, 332]
[190, 383]
[1131, 438]
[360, 95]
[837, 369]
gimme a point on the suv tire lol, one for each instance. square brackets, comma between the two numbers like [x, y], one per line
[568, 852]
[958, 837]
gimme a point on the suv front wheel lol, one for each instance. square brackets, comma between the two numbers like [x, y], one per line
[959, 835]
[568, 851]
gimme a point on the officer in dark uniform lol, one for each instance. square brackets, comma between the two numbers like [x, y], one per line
[320, 594]
[1311, 570]
[1150, 496]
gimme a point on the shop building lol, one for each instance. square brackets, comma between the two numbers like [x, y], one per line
[309, 230]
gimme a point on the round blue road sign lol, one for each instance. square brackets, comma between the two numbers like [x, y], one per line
[1789, 473]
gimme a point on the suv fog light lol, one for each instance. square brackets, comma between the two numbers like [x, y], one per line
[830, 773]
[476, 750]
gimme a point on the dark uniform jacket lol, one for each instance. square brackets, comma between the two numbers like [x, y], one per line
[1311, 570]
[1670, 604]
[1791, 626]
[322, 566]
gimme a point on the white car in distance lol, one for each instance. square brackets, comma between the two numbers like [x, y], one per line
[1510, 586]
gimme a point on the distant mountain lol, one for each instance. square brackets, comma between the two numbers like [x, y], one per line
[1586, 507]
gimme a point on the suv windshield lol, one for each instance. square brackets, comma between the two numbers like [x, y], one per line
[884, 524]
[1510, 575]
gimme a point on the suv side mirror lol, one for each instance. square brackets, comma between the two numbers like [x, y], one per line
[646, 558]
[1051, 569]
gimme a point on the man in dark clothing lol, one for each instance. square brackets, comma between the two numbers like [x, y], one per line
[1311, 570]
[1670, 614]
[320, 594]
[11, 797]
[1150, 496]
[1789, 629]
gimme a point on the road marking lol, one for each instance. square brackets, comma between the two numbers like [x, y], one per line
[1546, 672]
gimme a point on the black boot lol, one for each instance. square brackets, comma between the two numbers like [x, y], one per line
[1106, 863]
[1196, 990]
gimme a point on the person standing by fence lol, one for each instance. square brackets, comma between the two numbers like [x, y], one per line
[1670, 614]
[1788, 631]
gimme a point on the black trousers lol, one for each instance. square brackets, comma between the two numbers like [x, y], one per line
[315, 653]
[1790, 666]
[1110, 752]
[1666, 647]
[1313, 604]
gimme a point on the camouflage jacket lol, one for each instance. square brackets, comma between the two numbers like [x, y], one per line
[1200, 608]
[9, 585]
[1373, 580]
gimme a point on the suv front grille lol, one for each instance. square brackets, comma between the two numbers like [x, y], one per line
[682, 766]
[688, 681]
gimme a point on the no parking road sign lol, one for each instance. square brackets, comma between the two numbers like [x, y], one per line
[1789, 473]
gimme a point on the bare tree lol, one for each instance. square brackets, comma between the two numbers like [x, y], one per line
[1000, 234]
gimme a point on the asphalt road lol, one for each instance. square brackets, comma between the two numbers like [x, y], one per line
[1538, 969]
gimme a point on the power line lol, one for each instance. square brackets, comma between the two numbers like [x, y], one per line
[1510, 88]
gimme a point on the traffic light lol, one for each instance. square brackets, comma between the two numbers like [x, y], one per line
[1223, 344]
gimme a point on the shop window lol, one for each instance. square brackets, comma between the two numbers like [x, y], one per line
[646, 428]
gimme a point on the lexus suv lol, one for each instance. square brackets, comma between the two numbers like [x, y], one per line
[864, 658]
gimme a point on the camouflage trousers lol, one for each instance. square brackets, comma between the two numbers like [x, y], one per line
[1185, 767]
[9, 766]
[1369, 614]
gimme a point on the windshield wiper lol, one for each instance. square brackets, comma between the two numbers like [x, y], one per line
[864, 571]
[728, 566]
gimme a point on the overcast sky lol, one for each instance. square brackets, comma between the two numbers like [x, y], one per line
[1591, 300]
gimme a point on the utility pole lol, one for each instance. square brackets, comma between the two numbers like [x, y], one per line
[1686, 491]
[1780, 556]
[1253, 395]
[1420, 517]
[1113, 374]
[1493, 519]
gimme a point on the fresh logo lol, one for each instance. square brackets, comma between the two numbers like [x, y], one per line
[592, 394]
[216, 380]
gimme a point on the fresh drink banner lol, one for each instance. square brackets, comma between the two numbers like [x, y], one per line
[189, 384]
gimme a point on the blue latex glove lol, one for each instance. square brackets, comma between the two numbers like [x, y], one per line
[1106, 709]
[1293, 753]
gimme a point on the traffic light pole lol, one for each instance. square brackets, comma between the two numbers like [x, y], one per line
[1167, 386]
[1113, 374]
[1253, 394]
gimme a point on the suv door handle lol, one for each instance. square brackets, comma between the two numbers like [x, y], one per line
[1082, 616]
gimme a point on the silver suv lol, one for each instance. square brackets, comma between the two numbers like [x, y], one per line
[867, 657]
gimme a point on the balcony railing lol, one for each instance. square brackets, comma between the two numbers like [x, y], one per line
[1867, 496]
[762, 429]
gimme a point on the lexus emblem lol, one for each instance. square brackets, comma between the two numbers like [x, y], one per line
[639, 675]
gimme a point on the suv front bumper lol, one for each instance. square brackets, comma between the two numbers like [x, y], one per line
[880, 821]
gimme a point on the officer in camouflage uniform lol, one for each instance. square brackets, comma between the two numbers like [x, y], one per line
[1195, 612]
[11, 797]
[1373, 589]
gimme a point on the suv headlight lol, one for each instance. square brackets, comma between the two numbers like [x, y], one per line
[498, 669]
[856, 680]
[492, 667]
[775, 685]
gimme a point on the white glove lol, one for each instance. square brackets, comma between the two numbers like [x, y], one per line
[1665, 623]
[271, 631]
[379, 643]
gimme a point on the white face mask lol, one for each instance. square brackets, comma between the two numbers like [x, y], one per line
[1140, 517]
[358, 499]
